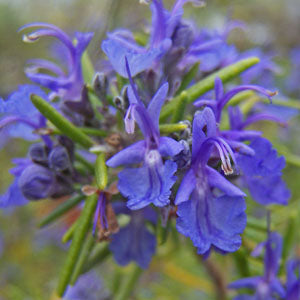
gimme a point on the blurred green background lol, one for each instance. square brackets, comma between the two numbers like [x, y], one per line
[30, 258]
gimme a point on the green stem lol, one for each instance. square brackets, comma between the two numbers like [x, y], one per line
[180, 107]
[69, 233]
[101, 172]
[100, 253]
[61, 210]
[187, 79]
[86, 249]
[207, 84]
[64, 125]
[81, 229]
[170, 128]
[129, 284]
[94, 131]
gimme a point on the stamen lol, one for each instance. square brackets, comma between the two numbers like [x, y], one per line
[30, 38]
[129, 120]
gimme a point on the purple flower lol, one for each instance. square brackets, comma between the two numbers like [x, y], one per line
[164, 34]
[134, 242]
[262, 173]
[293, 280]
[266, 286]
[88, 286]
[151, 183]
[66, 85]
[211, 210]
[261, 169]
[263, 72]
[19, 118]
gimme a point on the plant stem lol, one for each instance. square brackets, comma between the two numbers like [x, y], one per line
[129, 284]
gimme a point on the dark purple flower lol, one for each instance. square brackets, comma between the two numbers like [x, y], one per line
[266, 286]
[134, 242]
[36, 182]
[151, 183]
[293, 280]
[211, 210]
[66, 85]
[19, 117]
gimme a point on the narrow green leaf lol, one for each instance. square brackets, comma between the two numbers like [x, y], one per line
[256, 224]
[99, 254]
[241, 262]
[101, 172]
[87, 68]
[81, 229]
[69, 233]
[94, 131]
[86, 249]
[207, 84]
[180, 108]
[127, 287]
[64, 125]
[169, 128]
[188, 77]
[286, 103]
[290, 158]
[61, 210]
[289, 236]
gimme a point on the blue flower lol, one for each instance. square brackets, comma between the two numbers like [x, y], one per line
[266, 286]
[293, 280]
[19, 118]
[211, 210]
[258, 162]
[121, 43]
[134, 242]
[88, 286]
[262, 173]
[152, 182]
[67, 86]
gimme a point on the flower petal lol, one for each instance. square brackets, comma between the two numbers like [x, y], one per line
[146, 185]
[212, 221]
[133, 154]
[169, 147]
[186, 187]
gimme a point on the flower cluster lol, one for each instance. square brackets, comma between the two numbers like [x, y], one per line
[198, 173]
[269, 286]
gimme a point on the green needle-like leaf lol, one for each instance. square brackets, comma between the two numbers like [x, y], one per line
[101, 172]
[79, 235]
[62, 124]
[61, 210]
[180, 108]
[207, 84]
[188, 77]
[129, 283]
[169, 128]
[86, 249]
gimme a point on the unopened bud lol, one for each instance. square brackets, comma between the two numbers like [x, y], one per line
[36, 182]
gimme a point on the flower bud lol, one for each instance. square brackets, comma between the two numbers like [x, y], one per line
[38, 153]
[100, 85]
[59, 159]
[36, 182]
